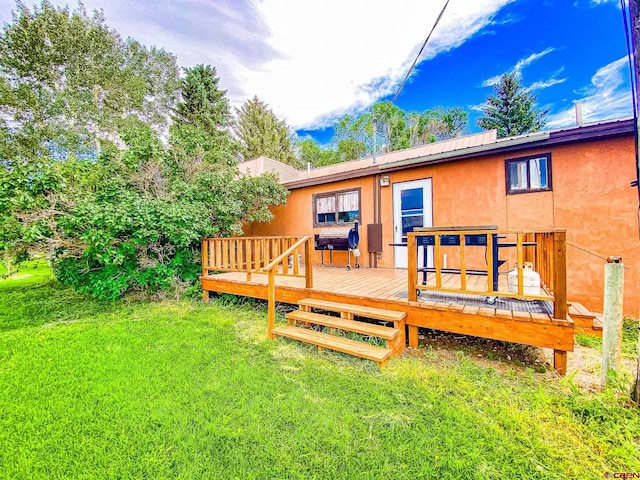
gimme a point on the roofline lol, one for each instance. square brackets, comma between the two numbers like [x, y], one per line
[547, 138]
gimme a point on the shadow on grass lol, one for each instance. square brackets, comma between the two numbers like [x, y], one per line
[33, 298]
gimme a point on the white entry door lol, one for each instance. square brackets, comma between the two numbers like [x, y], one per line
[412, 207]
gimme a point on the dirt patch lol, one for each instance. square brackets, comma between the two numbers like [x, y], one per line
[583, 364]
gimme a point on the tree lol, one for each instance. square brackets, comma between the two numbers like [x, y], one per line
[66, 79]
[260, 132]
[511, 110]
[203, 104]
[85, 175]
[395, 129]
[309, 151]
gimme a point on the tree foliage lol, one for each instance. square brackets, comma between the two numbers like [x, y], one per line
[203, 104]
[511, 109]
[260, 132]
[395, 129]
[86, 175]
[310, 152]
[68, 79]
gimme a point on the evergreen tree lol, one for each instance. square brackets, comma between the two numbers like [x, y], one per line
[511, 110]
[203, 104]
[260, 132]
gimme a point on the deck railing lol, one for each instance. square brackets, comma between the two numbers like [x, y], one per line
[281, 264]
[244, 254]
[545, 249]
[274, 256]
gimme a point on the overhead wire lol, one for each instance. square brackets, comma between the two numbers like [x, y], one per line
[419, 53]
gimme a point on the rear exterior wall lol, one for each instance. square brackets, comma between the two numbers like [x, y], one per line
[591, 199]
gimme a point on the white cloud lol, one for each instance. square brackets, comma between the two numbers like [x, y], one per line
[340, 56]
[607, 97]
[310, 61]
[546, 83]
[520, 64]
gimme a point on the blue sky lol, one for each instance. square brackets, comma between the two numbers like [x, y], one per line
[313, 61]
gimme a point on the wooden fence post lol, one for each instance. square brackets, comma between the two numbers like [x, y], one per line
[612, 320]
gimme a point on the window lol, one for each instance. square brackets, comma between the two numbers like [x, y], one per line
[336, 207]
[528, 174]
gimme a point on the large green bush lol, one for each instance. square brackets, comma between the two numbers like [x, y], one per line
[92, 175]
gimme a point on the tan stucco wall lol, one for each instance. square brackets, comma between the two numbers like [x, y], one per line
[591, 199]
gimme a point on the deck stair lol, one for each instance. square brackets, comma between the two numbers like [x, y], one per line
[585, 320]
[300, 321]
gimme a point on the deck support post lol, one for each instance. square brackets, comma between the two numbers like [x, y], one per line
[271, 298]
[413, 336]
[560, 275]
[560, 362]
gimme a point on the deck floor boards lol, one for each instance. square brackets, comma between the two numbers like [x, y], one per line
[388, 284]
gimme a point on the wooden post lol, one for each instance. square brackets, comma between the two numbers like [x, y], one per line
[205, 257]
[560, 362]
[412, 268]
[308, 263]
[436, 256]
[520, 262]
[559, 259]
[612, 320]
[413, 336]
[271, 306]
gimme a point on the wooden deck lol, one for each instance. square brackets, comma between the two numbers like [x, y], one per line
[387, 288]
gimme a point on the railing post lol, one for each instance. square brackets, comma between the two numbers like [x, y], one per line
[491, 286]
[412, 267]
[205, 257]
[520, 264]
[560, 274]
[308, 263]
[271, 298]
[436, 257]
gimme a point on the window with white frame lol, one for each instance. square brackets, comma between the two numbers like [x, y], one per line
[528, 174]
[336, 208]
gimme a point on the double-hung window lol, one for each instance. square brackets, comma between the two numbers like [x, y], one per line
[528, 174]
[336, 208]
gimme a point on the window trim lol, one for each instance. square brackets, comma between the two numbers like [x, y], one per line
[334, 194]
[507, 179]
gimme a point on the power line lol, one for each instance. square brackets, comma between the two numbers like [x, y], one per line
[419, 53]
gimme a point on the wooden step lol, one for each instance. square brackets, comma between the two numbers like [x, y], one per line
[380, 355]
[576, 309]
[373, 330]
[361, 311]
[598, 322]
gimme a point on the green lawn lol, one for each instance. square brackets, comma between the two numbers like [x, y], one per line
[183, 389]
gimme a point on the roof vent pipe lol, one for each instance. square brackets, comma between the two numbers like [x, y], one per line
[578, 113]
[309, 169]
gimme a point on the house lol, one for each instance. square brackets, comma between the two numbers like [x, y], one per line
[575, 178]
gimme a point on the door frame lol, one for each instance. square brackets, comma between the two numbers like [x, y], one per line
[400, 253]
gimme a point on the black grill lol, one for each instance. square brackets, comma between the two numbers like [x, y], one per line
[339, 238]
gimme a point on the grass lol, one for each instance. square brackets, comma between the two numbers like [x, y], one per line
[630, 330]
[182, 389]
